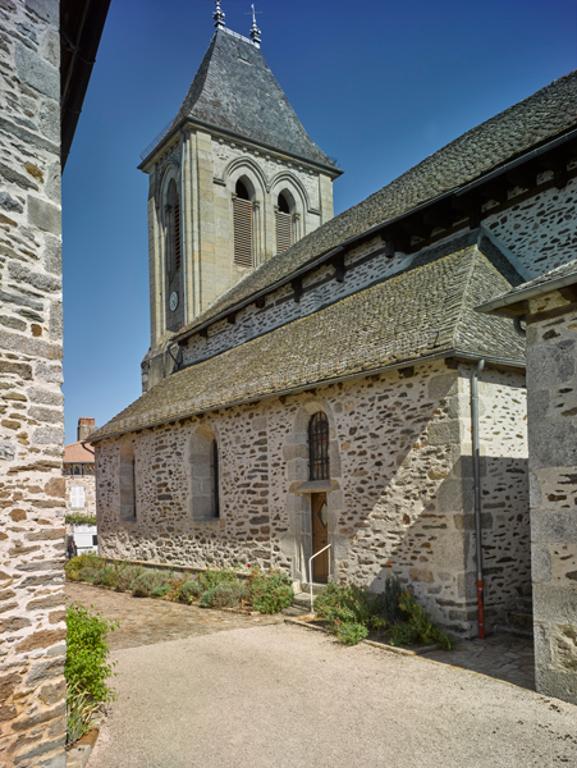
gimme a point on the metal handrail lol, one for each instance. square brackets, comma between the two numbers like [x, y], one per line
[311, 558]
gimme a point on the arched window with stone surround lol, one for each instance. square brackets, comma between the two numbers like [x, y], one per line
[285, 221]
[174, 300]
[318, 434]
[243, 215]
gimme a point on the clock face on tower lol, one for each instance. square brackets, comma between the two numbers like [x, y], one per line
[173, 301]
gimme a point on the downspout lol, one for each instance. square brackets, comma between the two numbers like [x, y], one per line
[480, 581]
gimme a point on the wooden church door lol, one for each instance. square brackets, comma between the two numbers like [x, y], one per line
[320, 537]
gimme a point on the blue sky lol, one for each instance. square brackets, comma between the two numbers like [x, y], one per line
[379, 85]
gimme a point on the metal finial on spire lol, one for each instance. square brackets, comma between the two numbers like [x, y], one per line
[255, 33]
[219, 16]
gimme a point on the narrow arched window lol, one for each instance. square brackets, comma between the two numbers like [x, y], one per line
[173, 259]
[319, 447]
[284, 215]
[205, 475]
[243, 214]
[215, 480]
[127, 482]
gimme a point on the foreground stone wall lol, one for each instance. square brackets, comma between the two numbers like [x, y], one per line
[397, 498]
[32, 629]
[552, 393]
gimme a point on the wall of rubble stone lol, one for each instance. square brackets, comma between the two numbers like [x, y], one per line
[32, 629]
[552, 404]
[533, 250]
[397, 499]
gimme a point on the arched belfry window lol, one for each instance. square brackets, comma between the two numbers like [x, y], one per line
[319, 447]
[285, 221]
[243, 213]
[173, 259]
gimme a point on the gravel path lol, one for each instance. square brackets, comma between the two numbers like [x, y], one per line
[277, 696]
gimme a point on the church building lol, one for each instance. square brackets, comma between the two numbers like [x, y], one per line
[326, 384]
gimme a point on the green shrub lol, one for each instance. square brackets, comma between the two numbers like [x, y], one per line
[161, 590]
[426, 632]
[403, 633]
[224, 595]
[211, 578]
[74, 568]
[86, 669]
[351, 633]
[344, 604]
[188, 591]
[269, 592]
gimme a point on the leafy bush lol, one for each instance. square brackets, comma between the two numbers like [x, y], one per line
[188, 591]
[425, 631]
[224, 595]
[346, 608]
[86, 669]
[269, 592]
[211, 579]
[75, 567]
[351, 633]
[344, 604]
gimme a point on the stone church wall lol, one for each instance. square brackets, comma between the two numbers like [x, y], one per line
[32, 629]
[398, 500]
[552, 392]
[539, 233]
[506, 531]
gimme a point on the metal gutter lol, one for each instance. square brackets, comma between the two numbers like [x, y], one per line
[477, 496]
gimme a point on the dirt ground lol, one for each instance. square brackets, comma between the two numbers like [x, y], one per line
[207, 689]
[144, 621]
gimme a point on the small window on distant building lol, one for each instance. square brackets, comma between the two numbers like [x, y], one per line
[94, 540]
[284, 213]
[243, 224]
[127, 483]
[319, 447]
[77, 497]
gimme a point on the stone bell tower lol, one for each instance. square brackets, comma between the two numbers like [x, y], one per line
[235, 180]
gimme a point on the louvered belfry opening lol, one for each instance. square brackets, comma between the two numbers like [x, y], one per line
[243, 212]
[284, 224]
[319, 468]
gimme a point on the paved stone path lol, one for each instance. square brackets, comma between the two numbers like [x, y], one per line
[257, 695]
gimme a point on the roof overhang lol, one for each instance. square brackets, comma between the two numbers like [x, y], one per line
[460, 356]
[165, 138]
[516, 303]
[81, 25]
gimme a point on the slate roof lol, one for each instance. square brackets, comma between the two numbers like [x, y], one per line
[234, 90]
[426, 311]
[508, 303]
[543, 116]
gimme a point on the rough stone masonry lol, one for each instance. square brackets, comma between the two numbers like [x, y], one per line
[32, 627]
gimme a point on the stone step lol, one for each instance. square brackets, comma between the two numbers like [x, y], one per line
[520, 621]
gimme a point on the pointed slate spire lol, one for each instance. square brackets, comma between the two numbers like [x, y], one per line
[255, 33]
[219, 16]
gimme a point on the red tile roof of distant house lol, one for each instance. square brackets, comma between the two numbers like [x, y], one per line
[79, 453]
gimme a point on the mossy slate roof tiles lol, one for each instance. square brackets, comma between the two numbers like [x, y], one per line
[543, 116]
[426, 311]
